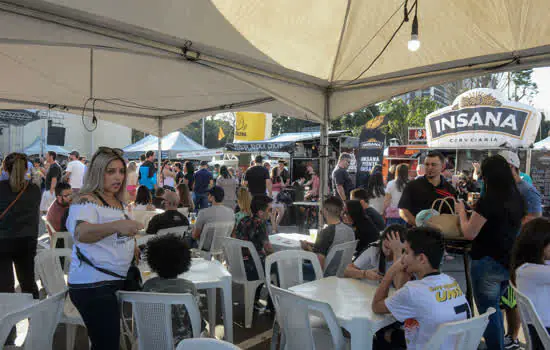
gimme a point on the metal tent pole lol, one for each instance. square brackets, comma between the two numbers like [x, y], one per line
[9, 138]
[323, 164]
[159, 146]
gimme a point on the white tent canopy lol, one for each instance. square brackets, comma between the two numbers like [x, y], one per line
[171, 144]
[36, 148]
[542, 144]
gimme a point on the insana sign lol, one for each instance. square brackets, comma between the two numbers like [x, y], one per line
[482, 118]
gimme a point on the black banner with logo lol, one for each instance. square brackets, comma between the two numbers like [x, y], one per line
[253, 147]
[371, 148]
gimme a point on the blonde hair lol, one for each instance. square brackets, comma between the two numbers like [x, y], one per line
[132, 166]
[243, 199]
[16, 166]
[93, 180]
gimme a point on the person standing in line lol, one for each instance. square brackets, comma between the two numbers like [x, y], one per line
[394, 191]
[19, 213]
[229, 185]
[103, 238]
[53, 176]
[203, 181]
[341, 181]
[148, 172]
[258, 180]
[75, 172]
[419, 194]
[493, 227]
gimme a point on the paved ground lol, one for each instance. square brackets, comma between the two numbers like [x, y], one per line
[256, 338]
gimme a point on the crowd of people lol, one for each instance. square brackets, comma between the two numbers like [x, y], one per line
[95, 201]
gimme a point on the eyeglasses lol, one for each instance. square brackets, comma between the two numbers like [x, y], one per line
[108, 150]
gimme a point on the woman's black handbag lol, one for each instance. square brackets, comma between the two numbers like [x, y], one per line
[132, 280]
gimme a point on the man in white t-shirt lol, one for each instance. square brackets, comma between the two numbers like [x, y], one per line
[432, 299]
[75, 172]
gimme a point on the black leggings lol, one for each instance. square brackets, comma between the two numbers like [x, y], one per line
[98, 306]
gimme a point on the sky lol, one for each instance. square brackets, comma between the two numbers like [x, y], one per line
[542, 77]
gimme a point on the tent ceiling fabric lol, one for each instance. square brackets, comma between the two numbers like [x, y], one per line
[280, 56]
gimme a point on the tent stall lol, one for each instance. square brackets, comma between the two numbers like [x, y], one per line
[158, 65]
[171, 145]
[36, 148]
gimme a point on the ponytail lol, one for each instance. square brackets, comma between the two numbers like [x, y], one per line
[16, 166]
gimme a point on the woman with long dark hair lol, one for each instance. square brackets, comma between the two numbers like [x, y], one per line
[376, 191]
[391, 174]
[493, 227]
[531, 270]
[185, 197]
[365, 230]
[143, 199]
[189, 170]
[394, 191]
[104, 242]
[229, 185]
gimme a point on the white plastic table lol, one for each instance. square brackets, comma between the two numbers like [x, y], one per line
[351, 301]
[208, 275]
[144, 216]
[286, 241]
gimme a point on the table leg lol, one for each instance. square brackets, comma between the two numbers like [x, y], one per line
[211, 296]
[227, 300]
[469, 290]
[361, 336]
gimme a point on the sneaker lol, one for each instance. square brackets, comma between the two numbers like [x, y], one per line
[511, 344]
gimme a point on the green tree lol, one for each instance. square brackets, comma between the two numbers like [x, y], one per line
[356, 120]
[402, 115]
[212, 128]
[282, 124]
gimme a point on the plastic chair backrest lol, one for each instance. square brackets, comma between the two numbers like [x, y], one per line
[48, 225]
[339, 256]
[48, 268]
[184, 211]
[178, 231]
[153, 317]
[290, 267]
[212, 235]
[67, 238]
[233, 249]
[205, 344]
[467, 333]
[295, 314]
[43, 319]
[529, 317]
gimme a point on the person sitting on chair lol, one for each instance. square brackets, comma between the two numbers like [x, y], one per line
[59, 210]
[216, 213]
[170, 218]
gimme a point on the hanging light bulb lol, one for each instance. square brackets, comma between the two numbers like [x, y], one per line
[414, 43]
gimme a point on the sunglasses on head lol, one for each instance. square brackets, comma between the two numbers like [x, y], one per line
[108, 150]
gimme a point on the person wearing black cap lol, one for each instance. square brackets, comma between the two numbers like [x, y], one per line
[203, 181]
[216, 213]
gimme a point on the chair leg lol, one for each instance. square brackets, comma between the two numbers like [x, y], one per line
[275, 336]
[249, 295]
[70, 330]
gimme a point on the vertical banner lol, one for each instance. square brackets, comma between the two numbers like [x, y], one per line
[371, 147]
[251, 126]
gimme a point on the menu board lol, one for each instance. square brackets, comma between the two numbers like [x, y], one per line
[540, 173]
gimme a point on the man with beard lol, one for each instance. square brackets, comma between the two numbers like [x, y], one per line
[420, 193]
[58, 211]
[148, 172]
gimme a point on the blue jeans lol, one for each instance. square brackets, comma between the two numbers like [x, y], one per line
[395, 221]
[201, 201]
[489, 279]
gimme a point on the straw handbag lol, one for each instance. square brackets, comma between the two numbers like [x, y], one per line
[448, 224]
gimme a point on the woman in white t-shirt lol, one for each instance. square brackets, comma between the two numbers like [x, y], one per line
[394, 190]
[531, 270]
[103, 240]
[373, 263]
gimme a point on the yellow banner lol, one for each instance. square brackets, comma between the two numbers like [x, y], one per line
[250, 126]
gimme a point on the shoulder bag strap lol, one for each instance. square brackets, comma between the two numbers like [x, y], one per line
[84, 259]
[14, 201]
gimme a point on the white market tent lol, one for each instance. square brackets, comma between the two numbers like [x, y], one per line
[157, 65]
[542, 144]
[171, 145]
[36, 148]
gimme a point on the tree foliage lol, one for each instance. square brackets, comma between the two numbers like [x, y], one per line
[402, 115]
[211, 127]
[356, 120]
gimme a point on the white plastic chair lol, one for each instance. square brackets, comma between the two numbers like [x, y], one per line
[205, 344]
[48, 269]
[178, 231]
[65, 236]
[290, 272]
[152, 313]
[295, 312]
[43, 318]
[48, 224]
[467, 333]
[212, 236]
[233, 249]
[344, 252]
[528, 317]
[184, 211]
